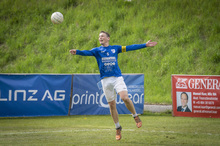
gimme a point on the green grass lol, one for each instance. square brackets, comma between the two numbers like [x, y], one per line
[187, 32]
[157, 129]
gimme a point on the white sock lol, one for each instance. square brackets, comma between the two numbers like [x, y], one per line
[117, 125]
[135, 115]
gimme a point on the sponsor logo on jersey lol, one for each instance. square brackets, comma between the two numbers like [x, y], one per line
[108, 59]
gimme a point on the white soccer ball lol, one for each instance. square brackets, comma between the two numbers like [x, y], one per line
[57, 18]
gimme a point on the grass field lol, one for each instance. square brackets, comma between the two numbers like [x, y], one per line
[157, 129]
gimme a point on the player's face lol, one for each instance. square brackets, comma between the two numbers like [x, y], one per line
[184, 100]
[103, 39]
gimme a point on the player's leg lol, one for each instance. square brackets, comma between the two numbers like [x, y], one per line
[114, 114]
[121, 89]
[113, 111]
[128, 103]
[130, 106]
[110, 95]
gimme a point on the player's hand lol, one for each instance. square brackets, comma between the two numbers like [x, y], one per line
[151, 44]
[73, 52]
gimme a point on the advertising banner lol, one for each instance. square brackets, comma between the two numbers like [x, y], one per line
[88, 97]
[196, 96]
[34, 95]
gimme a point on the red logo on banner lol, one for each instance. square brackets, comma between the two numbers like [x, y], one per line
[181, 83]
[196, 96]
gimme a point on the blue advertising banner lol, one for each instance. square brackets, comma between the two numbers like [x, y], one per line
[88, 97]
[34, 95]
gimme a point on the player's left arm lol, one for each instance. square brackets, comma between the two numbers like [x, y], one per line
[138, 46]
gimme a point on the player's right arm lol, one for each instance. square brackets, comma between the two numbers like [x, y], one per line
[82, 53]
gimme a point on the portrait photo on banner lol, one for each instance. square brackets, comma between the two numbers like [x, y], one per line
[184, 101]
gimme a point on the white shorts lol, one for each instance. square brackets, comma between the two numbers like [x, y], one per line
[111, 85]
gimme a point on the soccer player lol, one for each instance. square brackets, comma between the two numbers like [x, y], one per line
[111, 77]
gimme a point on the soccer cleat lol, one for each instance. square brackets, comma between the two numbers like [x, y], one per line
[118, 133]
[138, 121]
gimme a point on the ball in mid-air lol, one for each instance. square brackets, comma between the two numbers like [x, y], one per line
[57, 18]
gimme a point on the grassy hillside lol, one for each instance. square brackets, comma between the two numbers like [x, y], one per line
[187, 32]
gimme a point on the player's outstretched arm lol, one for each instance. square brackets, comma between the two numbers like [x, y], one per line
[151, 44]
[138, 46]
[82, 53]
[73, 52]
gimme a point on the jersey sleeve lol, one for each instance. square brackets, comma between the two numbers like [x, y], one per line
[132, 47]
[85, 52]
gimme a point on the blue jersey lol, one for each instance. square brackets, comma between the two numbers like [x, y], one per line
[107, 58]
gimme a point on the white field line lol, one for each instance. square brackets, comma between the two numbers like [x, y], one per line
[98, 130]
